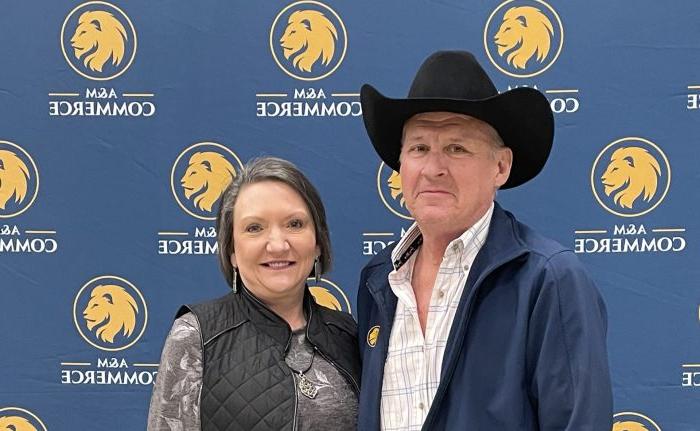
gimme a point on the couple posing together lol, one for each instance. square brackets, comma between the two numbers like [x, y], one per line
[471, 321]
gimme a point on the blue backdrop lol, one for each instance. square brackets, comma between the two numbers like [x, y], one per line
[119, 121]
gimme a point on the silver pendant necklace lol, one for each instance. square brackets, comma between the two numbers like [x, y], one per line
[306, 387]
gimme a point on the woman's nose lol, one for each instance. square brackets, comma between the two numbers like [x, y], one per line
[277, 241]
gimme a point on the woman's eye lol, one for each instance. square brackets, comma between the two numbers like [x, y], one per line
[253, 228]
[296, 224]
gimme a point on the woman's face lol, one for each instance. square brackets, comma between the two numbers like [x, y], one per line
[274, 241]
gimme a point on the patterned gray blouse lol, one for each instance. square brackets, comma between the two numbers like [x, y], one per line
[175, 399]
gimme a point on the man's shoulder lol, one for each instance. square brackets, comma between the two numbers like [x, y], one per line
[536, 242]
[551, 253]
[377, 270]
[380, 259]
[533, 240]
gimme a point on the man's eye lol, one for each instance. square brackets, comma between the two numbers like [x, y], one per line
[419, 148]
[456, 149]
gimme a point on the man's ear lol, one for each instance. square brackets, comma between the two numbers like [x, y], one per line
[504, 161]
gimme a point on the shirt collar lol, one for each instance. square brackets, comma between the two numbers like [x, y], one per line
[413, 238]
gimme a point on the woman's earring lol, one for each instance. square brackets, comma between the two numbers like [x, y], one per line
[234, 279]
[317, 270]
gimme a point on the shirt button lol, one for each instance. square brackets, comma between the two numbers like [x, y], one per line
[421, 406]
[466, 267]
[441, 294]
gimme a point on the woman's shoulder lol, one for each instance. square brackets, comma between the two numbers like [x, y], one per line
[184, 336]
[186, 322]
[215, 315]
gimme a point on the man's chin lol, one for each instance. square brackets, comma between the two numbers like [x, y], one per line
[433, 216]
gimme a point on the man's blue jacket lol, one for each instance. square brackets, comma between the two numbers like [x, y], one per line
[526, 351]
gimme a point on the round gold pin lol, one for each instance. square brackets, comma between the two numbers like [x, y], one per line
[372, 336]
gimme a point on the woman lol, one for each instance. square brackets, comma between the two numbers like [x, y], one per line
[265, 356]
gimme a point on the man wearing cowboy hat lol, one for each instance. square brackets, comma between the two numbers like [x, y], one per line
[473, 320]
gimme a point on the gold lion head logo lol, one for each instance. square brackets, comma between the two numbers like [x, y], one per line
[634, 169]
[113, 309]
[394, 183]
[524, 33]
[210, 173]
[629, 426]
[312, 32]
[14, 176]
[98, 37]
[325, 298]
[15, 423]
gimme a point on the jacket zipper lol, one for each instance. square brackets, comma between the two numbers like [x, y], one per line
[431, 414]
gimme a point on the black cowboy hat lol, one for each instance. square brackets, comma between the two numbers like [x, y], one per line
[453, 81]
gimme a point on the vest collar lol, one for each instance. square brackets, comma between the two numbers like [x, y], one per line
[270, 322]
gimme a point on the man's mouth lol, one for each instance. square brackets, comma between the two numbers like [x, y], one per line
[433, 191]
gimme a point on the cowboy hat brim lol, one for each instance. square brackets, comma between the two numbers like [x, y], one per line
[522, 117]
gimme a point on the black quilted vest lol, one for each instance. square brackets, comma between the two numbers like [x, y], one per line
[246, 383]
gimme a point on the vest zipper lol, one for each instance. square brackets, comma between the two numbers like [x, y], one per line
[286, 349]
[296, 403]
[342, 370]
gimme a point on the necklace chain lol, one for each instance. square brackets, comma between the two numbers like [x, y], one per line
[300, 372]
[306, 387]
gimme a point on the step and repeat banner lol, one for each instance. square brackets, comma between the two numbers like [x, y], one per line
[118, 120]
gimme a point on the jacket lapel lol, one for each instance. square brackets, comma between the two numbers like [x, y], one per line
[375, 357]
[502, 245]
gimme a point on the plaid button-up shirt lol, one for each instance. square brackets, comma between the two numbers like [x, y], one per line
[414, 360]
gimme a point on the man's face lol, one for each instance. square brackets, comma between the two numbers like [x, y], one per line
[451, 168]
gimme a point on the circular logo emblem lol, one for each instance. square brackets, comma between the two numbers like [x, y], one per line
[630, 177]
[372, 336]
[308, 40]
[630, 421]
[390, 191]
[328, 294]
[110, 313]
[17, 419]
[98, 40]
[19, 180]
[523, 38]
[200, 175]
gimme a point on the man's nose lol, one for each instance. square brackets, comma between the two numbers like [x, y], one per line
[435, 165]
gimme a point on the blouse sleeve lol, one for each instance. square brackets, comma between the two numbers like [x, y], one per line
[175, 398]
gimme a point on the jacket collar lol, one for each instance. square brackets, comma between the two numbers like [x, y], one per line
[502, 245]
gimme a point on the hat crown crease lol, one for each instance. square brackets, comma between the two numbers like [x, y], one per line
[452, 75]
